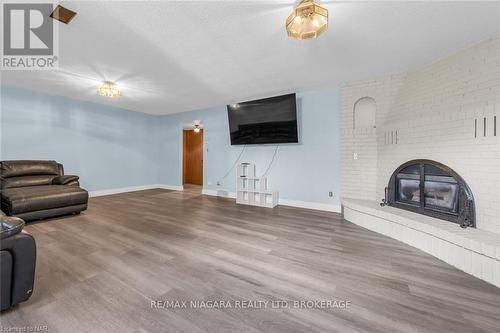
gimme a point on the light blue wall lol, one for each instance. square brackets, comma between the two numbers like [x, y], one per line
[113, 148]
[107, 147]
[303, 172]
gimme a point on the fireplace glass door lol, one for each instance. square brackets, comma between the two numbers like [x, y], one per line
[409, 190]
[441, 193]
[430, 188]
[408, 185]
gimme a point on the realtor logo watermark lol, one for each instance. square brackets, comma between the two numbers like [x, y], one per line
[29, 36]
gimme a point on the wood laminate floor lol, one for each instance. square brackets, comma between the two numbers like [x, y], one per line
[99, 272]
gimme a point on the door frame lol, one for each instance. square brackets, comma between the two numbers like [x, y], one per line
[181, 154]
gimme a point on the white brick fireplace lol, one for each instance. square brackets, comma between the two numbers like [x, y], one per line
[449, 112]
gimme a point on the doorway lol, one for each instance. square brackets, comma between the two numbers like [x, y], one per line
[192, 163]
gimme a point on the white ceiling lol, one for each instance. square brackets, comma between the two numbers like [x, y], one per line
[170, 57]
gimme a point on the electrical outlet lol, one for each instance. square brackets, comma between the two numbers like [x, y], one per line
[355, 156]
[209, 183]
[330, 194]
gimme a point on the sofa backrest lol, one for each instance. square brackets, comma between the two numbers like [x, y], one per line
[22, 173]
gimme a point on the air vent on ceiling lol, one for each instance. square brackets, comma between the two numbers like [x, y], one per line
[62, 14]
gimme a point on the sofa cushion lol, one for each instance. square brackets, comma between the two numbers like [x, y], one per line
[28, 168]
[66, 180]
[27, 199]
[27, 181]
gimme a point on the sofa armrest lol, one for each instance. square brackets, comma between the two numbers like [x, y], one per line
[22, 248]
[9, 226]
[66, 180]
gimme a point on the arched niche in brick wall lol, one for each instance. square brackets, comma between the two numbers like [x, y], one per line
[364, 113]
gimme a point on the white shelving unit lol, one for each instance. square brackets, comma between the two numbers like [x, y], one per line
[252, 190]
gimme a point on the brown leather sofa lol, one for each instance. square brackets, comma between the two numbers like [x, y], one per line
[17, 262]
[33, 190]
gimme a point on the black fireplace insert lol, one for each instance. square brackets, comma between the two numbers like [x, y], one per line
[431, 188]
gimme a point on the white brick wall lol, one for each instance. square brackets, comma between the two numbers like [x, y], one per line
[430, 113]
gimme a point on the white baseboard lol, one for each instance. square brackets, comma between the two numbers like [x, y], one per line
[311, 205]
[171, 187]
[100, 193]
[219, 193]
[285, 202]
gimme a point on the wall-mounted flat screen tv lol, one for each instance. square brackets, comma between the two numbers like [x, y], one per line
[264, 121]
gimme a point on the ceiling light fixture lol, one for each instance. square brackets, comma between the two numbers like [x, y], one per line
[308, 20]
[62, 14]
[109, 89]
[197, 126]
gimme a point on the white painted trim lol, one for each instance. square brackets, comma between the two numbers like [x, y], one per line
[219, 193]
[311, 205]
[171, 187]
[111, 191]
[283, 202]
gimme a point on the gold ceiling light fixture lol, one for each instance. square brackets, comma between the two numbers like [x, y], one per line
[109, 89]
[308, 20]
[62, 14]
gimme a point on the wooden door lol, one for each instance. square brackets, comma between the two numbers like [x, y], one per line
[193, 157]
